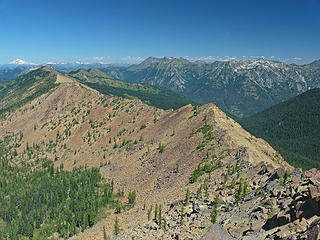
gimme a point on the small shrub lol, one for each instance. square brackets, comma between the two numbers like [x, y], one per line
[143, 126]
[271, 212]
[187, 199]
[132, 198]
[214, 215]
[161, 148]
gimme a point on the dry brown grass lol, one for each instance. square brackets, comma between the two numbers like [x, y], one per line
[136, 166]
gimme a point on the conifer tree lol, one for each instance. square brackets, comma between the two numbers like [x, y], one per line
[160, 215]
[156, 213]
[182, 214]
[149, 213]
[187, 199]
[116, 227]
[105, 236]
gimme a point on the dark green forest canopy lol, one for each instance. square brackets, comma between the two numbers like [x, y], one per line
[291, 127]
[155, 96]
[37, 202]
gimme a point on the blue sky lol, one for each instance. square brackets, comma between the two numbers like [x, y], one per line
[42, 31]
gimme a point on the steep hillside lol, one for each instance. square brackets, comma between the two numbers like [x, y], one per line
[292, 127]
[175, 172]
[26, 87]
[154, 96]
[240, 88]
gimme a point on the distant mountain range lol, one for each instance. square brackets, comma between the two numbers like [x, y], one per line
[292, 128]
[19, 67]
[240, 88]
[11, 72]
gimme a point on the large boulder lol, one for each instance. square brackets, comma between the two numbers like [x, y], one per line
[307, 209]
[277, 220]
[279, 173]
[313, 233]
[217, 232]
[312, 173]
[314, 191]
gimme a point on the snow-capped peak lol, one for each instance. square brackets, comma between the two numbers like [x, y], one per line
[20, 62]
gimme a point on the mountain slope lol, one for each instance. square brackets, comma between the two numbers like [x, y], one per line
[292, 127]
[175, 172]
[240, 88]
[157, 153]
[155, 96]
[26, 88]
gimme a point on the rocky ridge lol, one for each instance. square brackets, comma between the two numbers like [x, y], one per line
[196, 164]
[276, 205]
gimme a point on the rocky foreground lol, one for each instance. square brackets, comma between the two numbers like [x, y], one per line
[276, 205]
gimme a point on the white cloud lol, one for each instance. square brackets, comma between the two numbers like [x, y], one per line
[110, 59]
[132, 59]
[296, 59]
[205, 58]
[78, 62]
[138, 59]
[97, 58]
